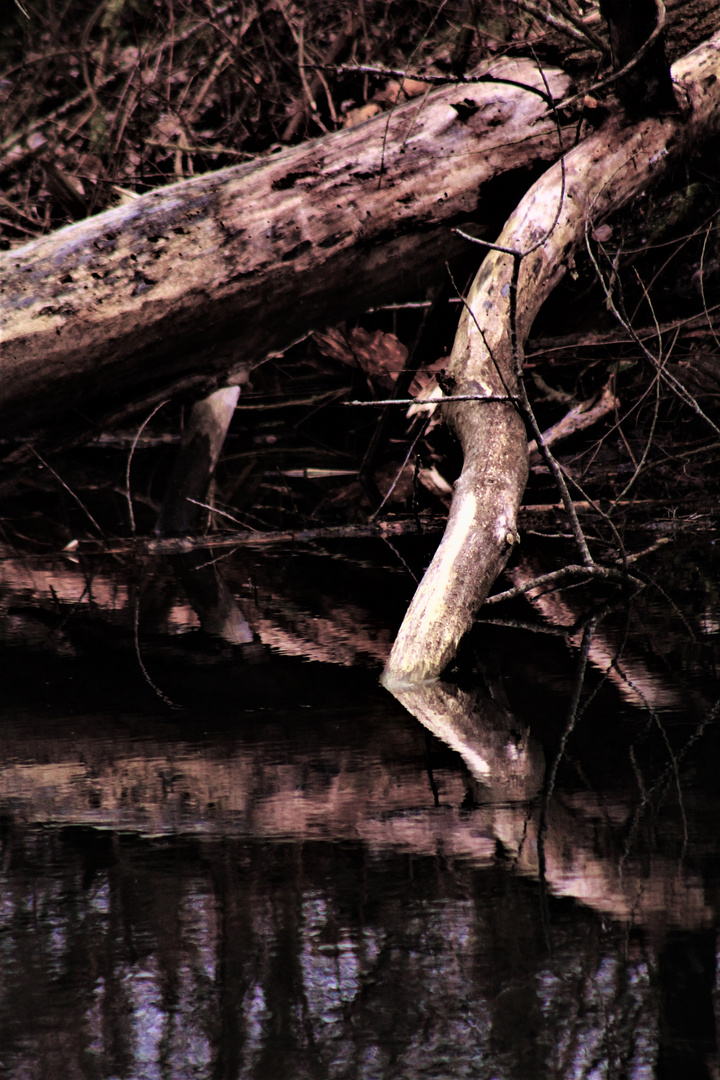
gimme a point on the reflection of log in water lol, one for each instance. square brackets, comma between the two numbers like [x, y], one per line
[313, 624]
[379, 796]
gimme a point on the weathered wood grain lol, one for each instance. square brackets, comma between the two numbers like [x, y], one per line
[206, 277]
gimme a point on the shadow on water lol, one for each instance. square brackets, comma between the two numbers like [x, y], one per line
[227, 852]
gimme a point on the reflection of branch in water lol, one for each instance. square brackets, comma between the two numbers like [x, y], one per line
[573, 713]
[304, 618]
[146, 675]
[429, 768]
[668, 773]
[588, 634]
[673, 766]
[212, 599]
[499, 753]
[520, 624]
[570, 846]
[638, 684]
[497, 750]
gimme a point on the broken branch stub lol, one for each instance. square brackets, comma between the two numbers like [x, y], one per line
[184, 507]
[601, 175]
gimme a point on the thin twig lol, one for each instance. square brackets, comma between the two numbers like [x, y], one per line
[702, 285]
[180, 545]
[222, 513]
[432, 401]
[575, 30]
[69, 490]
[556, 578]
[681, 391]
[573, 711]
[135, 441]
[392, 487]
[146, 675]
[579, 23]
[434, 19]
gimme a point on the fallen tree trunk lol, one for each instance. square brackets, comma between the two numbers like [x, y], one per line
[205, 278]
[599, 176]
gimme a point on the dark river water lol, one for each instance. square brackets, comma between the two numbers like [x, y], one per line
[227, 852]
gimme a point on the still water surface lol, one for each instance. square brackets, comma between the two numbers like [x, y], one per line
[227, 852]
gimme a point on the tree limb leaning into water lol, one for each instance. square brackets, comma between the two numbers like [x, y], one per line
[598, 177]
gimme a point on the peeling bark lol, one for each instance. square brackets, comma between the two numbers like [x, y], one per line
[211, 275]
[601, 175]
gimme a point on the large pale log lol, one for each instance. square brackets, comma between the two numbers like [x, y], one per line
[213, 274]
[601, 175]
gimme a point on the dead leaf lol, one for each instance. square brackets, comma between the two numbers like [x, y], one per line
[435, 482]
[395, 91]
[381, 356]
[602, 234]
[358, 116]
[413, 88]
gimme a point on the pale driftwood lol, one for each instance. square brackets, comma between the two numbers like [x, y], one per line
[602, 174]
[213, 274]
